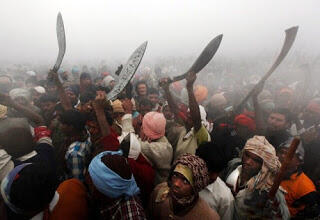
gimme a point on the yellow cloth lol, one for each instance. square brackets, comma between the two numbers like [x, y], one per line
[185, 171]
[3, 111]
[117, 106]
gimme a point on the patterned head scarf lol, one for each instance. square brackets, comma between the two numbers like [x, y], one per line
[259, 146]
[199, 170]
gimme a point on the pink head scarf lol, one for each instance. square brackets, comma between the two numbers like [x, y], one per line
[154, 125]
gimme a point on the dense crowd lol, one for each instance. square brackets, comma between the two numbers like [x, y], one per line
[161, 150]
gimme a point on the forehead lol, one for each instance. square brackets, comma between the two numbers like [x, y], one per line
[252, 156]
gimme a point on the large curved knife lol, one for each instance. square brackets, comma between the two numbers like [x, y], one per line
[128, 71]
[204, 58]
[61, 42]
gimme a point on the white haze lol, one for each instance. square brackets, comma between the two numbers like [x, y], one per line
[111, 30]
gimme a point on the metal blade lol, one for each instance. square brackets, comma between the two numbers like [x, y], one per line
[128, 71]
[291, 34]
[204, 58]
[61, 42]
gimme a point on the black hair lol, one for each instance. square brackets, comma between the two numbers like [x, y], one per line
[145, 102]
[153, 91]
[212, 155]
[47, 98]
[74, 118]
[74, 89]
[34, 187]
[87, 96]
[284, 111]
[117, 164]
[85, 75]
[139, 83]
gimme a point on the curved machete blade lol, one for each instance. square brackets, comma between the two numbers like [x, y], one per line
[61, 42]
[128, 71]
[291, 34]
[204, 58]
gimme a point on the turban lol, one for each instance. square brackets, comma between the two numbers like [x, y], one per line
[31, 73]
[40, 89]
[201, 93]
[200, 175]
[19, 92]
[6, 187]
[314, 106]
[218, 100]
[153, 125]
[117, 106]
[246, 121]
[3, 111]
[108, 182]
[107, 80]
[259, 146]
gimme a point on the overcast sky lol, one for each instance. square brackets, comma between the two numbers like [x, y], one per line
[105, 29]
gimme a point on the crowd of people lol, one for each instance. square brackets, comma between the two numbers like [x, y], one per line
[161, 150]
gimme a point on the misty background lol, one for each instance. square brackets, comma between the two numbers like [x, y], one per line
[109, 31]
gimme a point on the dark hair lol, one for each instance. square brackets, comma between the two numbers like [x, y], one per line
[213, 156]
[284, 111]
[86, 97]
[118, 164]
[153, 91]
[34, 188]
[74, 118]
[85, 75]
[145, 102]
[139, 83]
[74, 89]
[47, 98]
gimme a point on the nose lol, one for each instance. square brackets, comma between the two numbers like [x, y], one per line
[177, 182]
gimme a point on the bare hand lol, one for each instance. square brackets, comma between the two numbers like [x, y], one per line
[100, 101]
[127, 106]
[191, 78]
[53, 76]
[164, 83]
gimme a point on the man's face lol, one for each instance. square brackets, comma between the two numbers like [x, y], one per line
[22, 101]
[142, 89]
[144, 109]
[154, 99]
[277, 122]
[86, 82]
[52, 89]
[167, 113]
[310, 117]
[112, 84]
[48, 107]
[72, 97]
[251, 165]
[180, 186]
[86, 107]
[5, 84]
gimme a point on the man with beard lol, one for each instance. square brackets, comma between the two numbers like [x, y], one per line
[178, 198]
[311, 114]
[278, 122]
[251, 181]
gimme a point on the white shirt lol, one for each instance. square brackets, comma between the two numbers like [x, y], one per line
[219, 197]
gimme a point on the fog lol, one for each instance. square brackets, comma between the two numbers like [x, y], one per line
[108, 31]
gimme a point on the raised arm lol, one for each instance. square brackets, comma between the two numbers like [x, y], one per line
[164, 83]
[98, 106]
[64, 99]
[28, 113]
[193, 105]
[257, 109]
